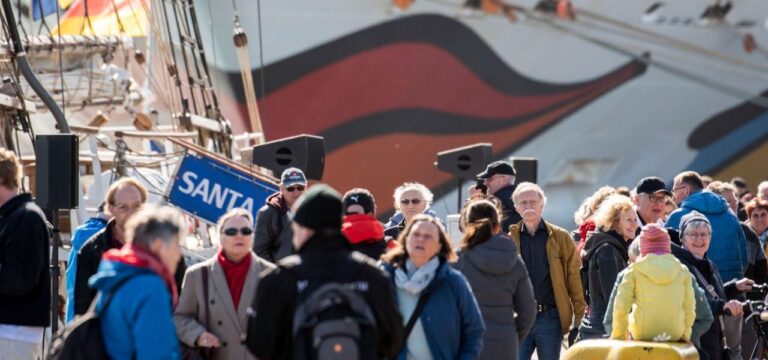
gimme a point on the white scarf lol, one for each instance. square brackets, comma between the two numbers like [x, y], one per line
[414, 280]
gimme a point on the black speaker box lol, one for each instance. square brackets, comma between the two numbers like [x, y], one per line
[526, 169]
[465, 162]
[57, 171]
[306, 152]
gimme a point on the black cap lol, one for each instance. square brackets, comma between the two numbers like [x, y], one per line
[319, 208]
[652, 185]
[497, 168]
[359, 197]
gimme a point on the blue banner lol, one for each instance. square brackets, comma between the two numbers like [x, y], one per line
[208, 188]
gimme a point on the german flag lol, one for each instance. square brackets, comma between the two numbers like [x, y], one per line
[104, 17]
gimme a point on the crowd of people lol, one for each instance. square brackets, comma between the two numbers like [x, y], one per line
[316, 275]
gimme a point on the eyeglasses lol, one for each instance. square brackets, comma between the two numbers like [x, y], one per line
[410, 201]
[234, 231]
[295, 188]
[698, 235]
[657, 199]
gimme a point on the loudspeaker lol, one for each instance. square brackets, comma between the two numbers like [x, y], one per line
[465, 162]
[57, 171]
[526, 169]
[306, 152]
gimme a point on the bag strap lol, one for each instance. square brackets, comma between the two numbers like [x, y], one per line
[108, 297]
[709, 287]
[417, 312]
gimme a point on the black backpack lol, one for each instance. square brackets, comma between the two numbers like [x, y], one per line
[82, 338]
[334, 321]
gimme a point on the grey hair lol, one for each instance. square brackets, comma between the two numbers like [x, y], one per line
[762, 185]
[693, 225]
[425, 193]
[634, 249]
[528, 186]
[153, 223]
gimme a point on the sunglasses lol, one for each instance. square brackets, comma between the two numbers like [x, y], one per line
[295, 188]
[234, 231]
[410, 201]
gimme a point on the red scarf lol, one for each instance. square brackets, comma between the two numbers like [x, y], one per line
[235, 274]
[141, 257]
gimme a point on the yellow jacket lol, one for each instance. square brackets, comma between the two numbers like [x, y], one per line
[564, 264]
[658, 290]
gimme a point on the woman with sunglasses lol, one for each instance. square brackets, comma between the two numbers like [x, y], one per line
[411, 199]
[216, 293]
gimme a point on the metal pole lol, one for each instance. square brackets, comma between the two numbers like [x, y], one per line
[55, 243]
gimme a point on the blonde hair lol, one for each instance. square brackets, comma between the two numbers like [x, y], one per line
[233, 213]
[718, 187]
[607, 215]
[10, 170]
[590, 205]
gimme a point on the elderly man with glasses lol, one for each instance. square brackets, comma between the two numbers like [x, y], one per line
[650, 198]
[273, 225]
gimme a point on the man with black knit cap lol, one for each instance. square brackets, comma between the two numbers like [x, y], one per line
[323, 256]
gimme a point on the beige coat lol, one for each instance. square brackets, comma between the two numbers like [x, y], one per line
[228, 324]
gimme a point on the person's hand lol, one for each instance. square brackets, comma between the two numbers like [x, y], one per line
[733, 308]
[744, 284]
[207, 339]
[475, 193]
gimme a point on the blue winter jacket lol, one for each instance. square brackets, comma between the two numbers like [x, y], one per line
[138, 321]
[451, 318]
[728, 247]
[79, 237]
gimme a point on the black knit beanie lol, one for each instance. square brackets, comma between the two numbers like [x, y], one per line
[319, 208]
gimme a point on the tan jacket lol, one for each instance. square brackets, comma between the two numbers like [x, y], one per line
[228, 324]
[564, 264]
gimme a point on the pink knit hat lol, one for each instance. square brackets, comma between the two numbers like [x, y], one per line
[654, 239]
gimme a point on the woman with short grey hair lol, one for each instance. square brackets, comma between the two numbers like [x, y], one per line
[411, 199]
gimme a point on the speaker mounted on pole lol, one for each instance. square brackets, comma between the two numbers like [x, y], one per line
[465, 162]
[57, 171]
[526, 169]
[306, 152]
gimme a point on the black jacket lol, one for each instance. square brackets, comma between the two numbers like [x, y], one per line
[712, 340]
[272, 240]
[25, 285]
[393, 232]
[511, 216]
[605, 256]
[88, 260]
[317, 262]
[757, 269]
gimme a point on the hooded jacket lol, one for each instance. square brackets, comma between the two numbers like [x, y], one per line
[605, 256]
[138, 322]
[700, 326]
[365, 234]
[657, 288]
[500, 282]
[728, 247]
[272, 240]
